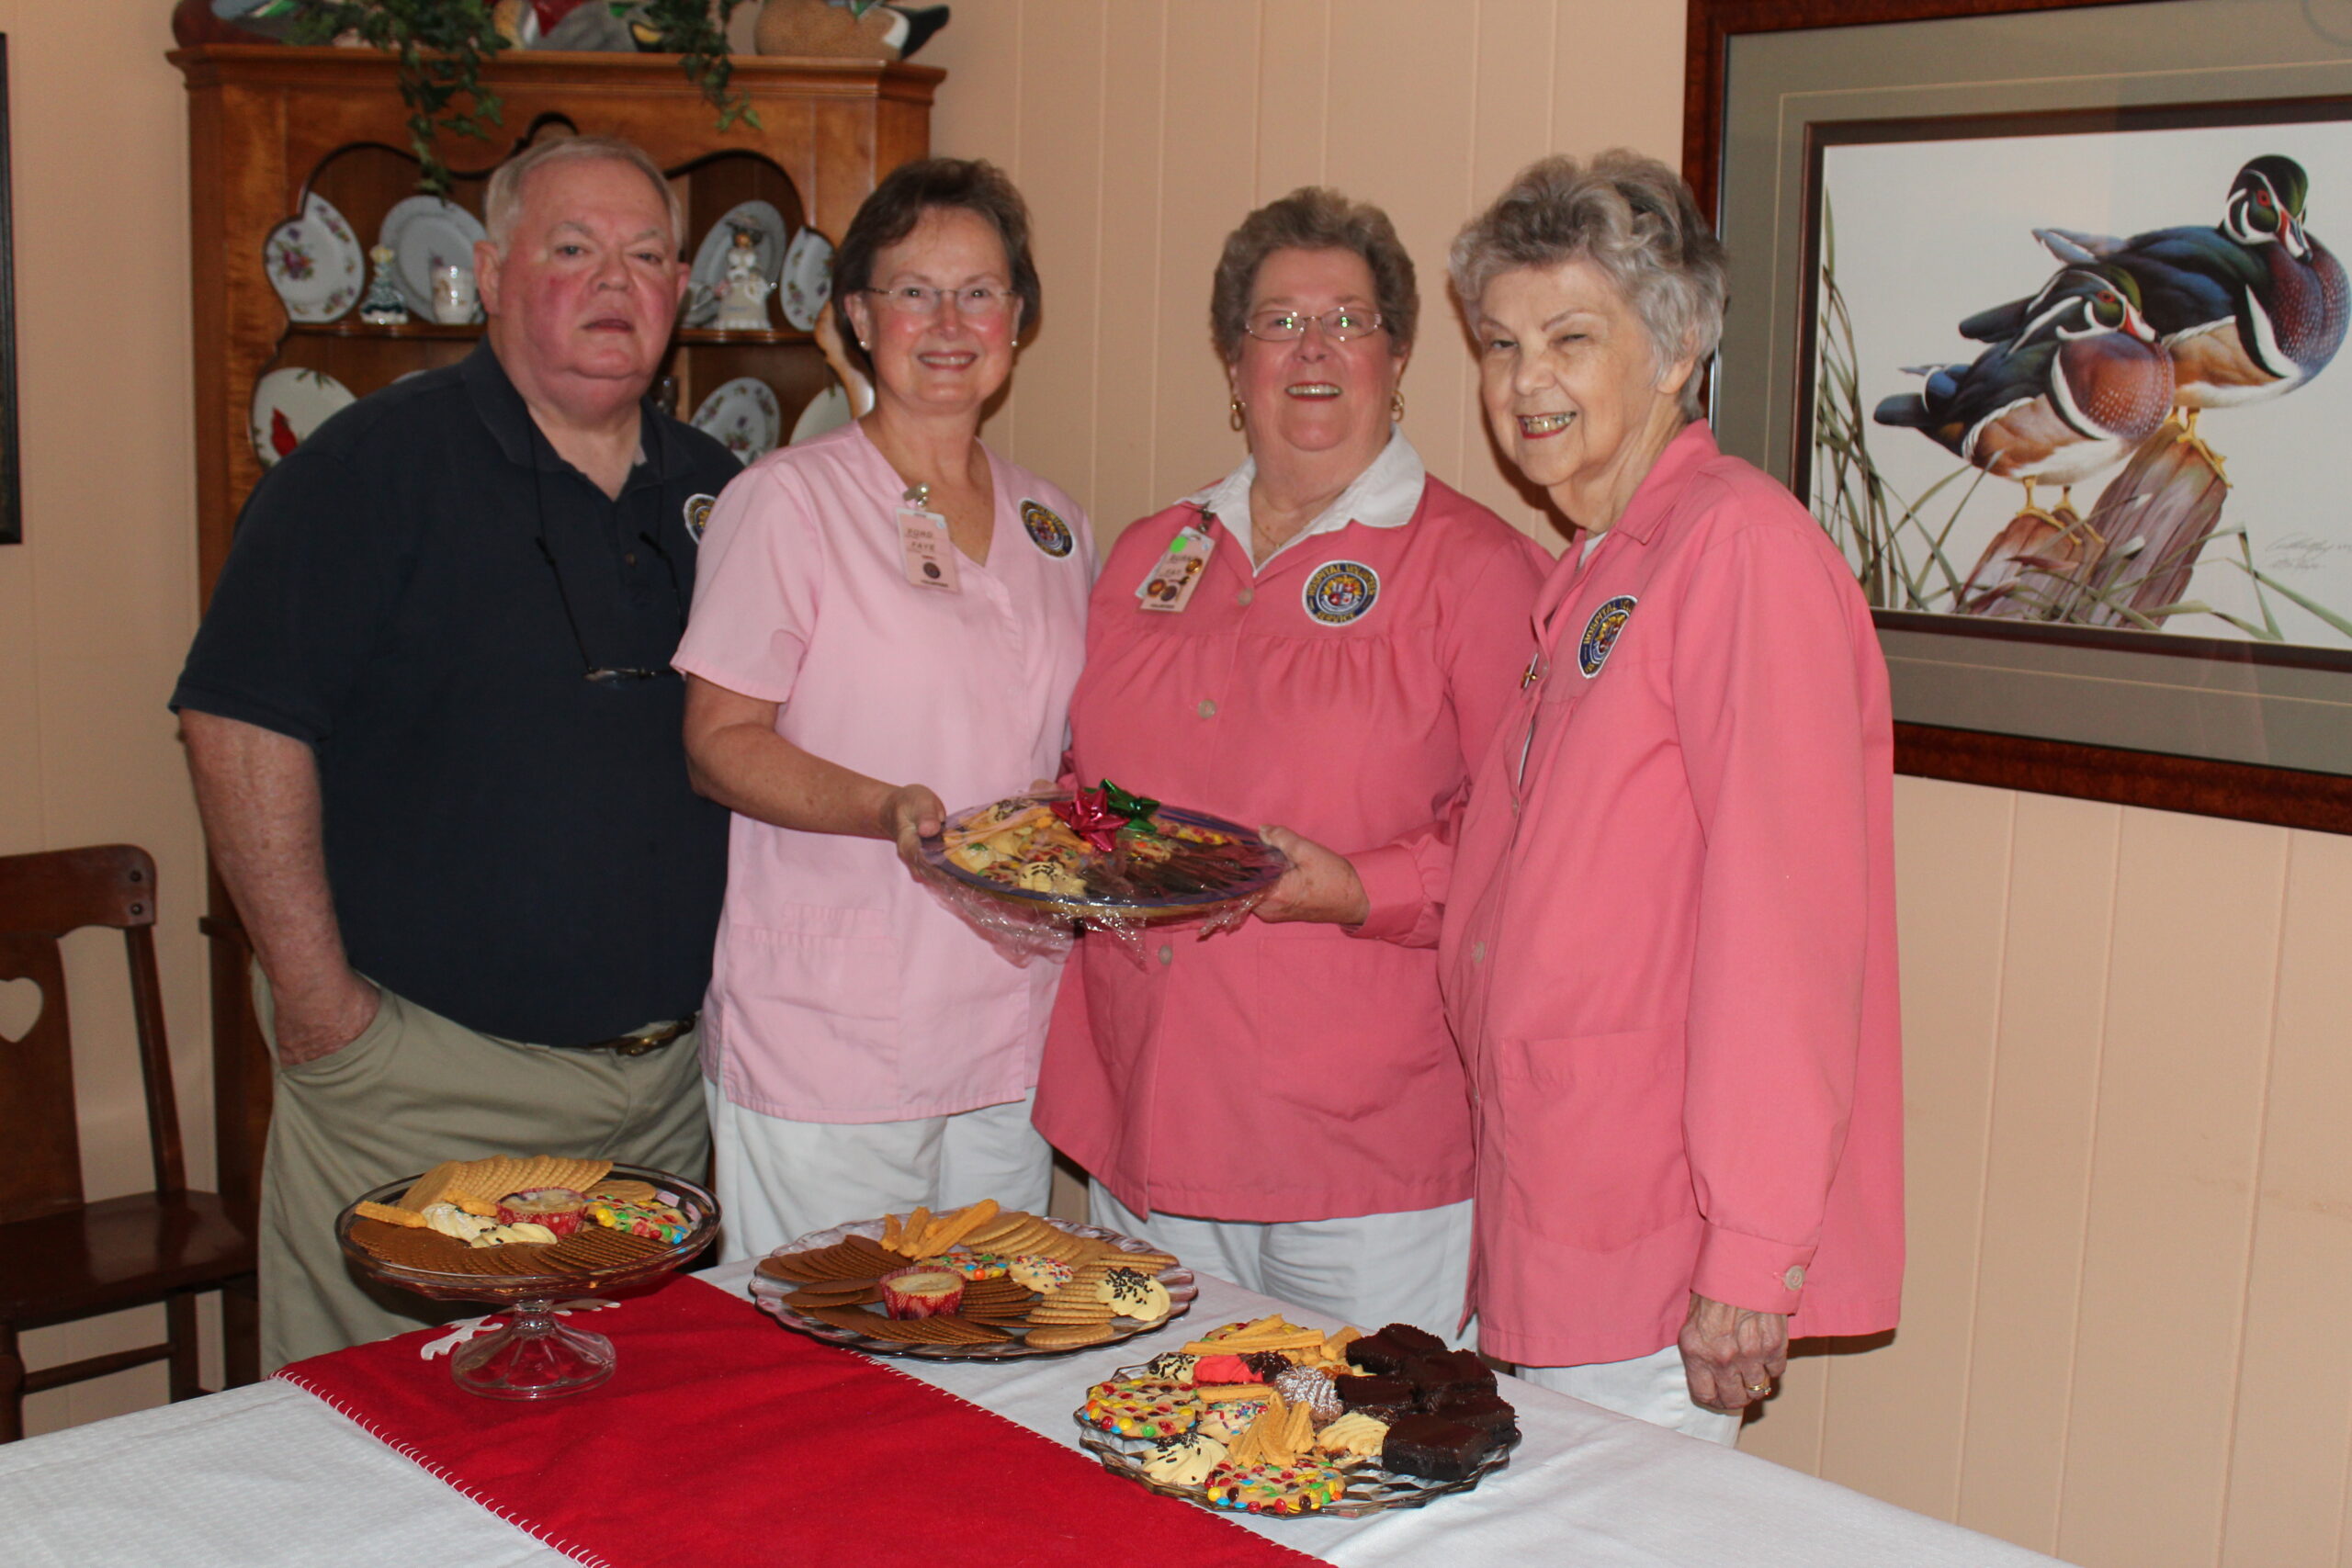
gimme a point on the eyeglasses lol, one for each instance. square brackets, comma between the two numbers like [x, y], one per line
[1340, 325]
[920, 299]
[606, 674]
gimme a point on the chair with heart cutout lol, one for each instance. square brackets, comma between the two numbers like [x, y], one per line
[61, 1257]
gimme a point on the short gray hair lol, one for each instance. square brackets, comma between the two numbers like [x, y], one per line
[1314, 218]
[1633, 218]
[502, 202]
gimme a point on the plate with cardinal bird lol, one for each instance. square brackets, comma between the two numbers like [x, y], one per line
[288, 405]
[2089, 379]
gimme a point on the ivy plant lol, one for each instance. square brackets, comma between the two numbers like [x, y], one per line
[442, 46]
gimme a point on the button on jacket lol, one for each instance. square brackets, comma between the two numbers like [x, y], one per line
[1287, 1072]
[1669, 944]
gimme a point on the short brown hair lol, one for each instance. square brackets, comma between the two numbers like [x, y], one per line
[899, 204]
[1314, 218]
[503, 201]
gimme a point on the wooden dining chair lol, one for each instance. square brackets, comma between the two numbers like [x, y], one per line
[61, 1257]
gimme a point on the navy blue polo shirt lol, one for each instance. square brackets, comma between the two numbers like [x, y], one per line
[417, 591]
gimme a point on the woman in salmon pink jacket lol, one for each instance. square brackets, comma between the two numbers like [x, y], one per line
[1326, 636]
[1668, 942]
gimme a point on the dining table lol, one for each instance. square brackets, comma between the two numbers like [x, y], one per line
[315, 1467]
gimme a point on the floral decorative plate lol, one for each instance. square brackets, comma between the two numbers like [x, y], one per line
[829, 410]
[424, 232]
[807, 278]
[315, 263]
[768, 233]
[744, 415]
[288, 405]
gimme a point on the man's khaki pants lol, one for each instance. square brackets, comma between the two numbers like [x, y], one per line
[412, 1090]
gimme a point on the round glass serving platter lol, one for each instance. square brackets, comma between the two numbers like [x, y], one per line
[535, 1357]
[1261, 866]
[1370, 1490]
[769, 1293]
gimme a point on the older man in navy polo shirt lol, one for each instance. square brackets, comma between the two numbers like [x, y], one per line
[435, 736]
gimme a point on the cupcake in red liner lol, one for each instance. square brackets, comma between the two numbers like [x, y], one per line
[557, 1208]
[922, 1292]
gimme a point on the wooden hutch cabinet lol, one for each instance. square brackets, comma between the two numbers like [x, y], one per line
[270, 125]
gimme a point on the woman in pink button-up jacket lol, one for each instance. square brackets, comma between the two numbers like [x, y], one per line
[1668, 909]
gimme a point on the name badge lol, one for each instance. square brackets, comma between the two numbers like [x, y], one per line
[1176, 574]
[930, 553]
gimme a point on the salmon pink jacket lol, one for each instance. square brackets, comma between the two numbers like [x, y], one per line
[1668, 937]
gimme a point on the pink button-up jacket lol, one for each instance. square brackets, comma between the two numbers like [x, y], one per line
[841, 990]
[1287, 1072]
[1668, 945]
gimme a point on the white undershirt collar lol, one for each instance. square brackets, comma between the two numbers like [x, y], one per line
[1386, 495]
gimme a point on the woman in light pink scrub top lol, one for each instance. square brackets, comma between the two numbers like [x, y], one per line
[887, 618]
[1668, 934]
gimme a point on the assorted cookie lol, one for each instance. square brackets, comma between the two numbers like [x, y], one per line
[997, 1273]
[517, 1216]
[1275, 1417]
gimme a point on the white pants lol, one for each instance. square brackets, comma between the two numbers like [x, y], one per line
[778, 1179]
[1649, 1388]
[1369, 1270]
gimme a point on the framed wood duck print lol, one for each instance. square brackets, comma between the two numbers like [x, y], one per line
[2049, 349]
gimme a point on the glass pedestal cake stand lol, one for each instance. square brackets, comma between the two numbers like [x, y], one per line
[534, 1356]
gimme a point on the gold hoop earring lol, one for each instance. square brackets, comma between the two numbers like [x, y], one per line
[1233, 412]
[1396, 406]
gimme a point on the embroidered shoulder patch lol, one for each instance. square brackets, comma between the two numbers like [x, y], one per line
[1601, 632]
[699, 514]
[1047, 532]
[1340, 592]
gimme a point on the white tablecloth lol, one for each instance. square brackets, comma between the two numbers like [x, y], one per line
[268, 1477]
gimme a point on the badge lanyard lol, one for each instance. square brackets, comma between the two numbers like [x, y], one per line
[922, 540]
[1175, 575]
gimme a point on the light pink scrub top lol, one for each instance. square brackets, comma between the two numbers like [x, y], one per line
[841, 990]
[1669, 947]
[1287, 1072]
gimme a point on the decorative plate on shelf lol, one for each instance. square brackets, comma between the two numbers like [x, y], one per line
[424, 232]
[288, 405]
[744, 415]
[807, 278]
[769, 233]
[843, 1322]
[829, 410]
[315, 263]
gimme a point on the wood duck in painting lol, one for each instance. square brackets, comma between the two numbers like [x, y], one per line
[2249, 308]
[2080, 383]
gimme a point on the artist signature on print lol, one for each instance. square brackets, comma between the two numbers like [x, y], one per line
[2301, 552]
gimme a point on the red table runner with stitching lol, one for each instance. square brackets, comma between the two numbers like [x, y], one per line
[724, 1438]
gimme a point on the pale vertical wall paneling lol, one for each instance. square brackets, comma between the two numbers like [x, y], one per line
[2293, 1441]
[2190, 996]
[1132, 292]
[2037, 1184]
[1512, 104]
[1208, 178]
[1061, 174]
[1953, 857]
[96, 607]
[1408, 152]
[1293, 94]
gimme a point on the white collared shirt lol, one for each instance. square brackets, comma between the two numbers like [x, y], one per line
[1386, 495]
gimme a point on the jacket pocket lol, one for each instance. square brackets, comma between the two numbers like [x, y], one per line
[814, 967]
[1591, 1126]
